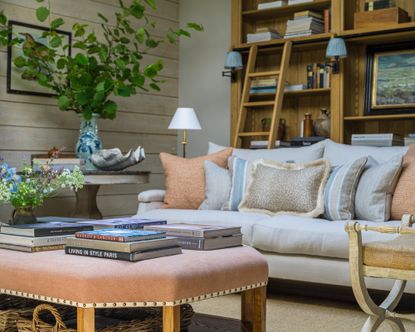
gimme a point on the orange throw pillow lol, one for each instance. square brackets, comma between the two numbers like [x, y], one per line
[185, 178]
[403, 201]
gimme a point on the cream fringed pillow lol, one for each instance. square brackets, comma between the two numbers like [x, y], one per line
[277, 188]
[185, 178]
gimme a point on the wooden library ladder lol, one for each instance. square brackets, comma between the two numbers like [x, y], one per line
[276, 103]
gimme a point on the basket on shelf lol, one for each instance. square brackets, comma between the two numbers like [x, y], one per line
[125, 320]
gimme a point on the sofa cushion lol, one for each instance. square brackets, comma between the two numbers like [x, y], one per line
[296, 188]
[305, 236]
[340, 154]
[297, 155]
[240, 172]
[217, 186]
[209, 217]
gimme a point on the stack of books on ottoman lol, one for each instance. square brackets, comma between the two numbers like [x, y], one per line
[40, 236]
[201, 237]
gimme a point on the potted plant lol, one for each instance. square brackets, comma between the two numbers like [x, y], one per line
[86, 81]
[28, 190]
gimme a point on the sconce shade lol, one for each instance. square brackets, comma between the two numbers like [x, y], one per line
[336, 48]
[185, 118]
[233, 60]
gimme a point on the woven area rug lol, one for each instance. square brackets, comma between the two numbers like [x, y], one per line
[294, 314]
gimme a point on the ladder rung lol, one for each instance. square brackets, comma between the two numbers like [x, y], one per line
[255, 133]
[264, 73]
[259, 103]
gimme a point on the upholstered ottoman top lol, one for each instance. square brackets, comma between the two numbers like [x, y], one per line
[94, 282]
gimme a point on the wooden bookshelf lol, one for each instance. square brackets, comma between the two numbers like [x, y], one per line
[380, 117]
[305, 93]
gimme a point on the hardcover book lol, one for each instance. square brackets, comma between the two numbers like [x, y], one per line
[221, 242]
[28, 241]
[204, 231]
[16, 247]
[121, 235]
[123, 223]
[123, 256]
[45, 229]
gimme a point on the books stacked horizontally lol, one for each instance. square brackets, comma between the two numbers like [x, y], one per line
[377, 140]
[123, 223]
[202, 237]
[272, 4]
[39, 237]
[262, 34]
[263, 86]
[372, 5]
[122, 244]
[297, 2]
[318, 76]
[410, 139]
[65, 162]
[305, 24]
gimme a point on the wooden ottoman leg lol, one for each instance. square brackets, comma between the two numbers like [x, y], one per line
[171, 319]
[86, 320]
[254, 309]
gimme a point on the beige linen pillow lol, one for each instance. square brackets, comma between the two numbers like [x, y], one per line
[278, 188]
[185, 178]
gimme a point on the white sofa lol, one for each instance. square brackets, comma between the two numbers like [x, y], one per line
[297, 248]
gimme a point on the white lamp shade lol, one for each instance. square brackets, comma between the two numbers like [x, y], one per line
[185, 118]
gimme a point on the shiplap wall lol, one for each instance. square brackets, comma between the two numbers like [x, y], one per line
[34, 124]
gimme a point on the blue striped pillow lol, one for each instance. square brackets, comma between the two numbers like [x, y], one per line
[240, 174]
[341, 188]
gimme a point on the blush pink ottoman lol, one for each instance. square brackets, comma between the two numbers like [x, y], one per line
[88, 283]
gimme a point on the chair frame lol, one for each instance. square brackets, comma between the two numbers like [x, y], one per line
[358, 271]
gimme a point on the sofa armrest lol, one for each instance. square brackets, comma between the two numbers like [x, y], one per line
[151, 196]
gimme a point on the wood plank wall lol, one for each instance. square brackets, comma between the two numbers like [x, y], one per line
[34, 124]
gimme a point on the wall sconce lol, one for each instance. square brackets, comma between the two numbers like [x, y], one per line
[336, 50]
[233, 63]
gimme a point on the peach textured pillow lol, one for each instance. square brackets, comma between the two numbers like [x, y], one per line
[403, 201]
[185, 178]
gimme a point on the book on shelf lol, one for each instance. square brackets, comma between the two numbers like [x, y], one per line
[220, 242]
[318, 76]
[327, 20]
[16, 247]
[380, 140]
[204, 231]
[295, 87]
[122, 246]
[124, 256]
[123, 223]
[45, 229]
[308, 13]
[261, 36]
[264, 144]
[297, 2]
[29, 241]
[379, 4]
[261, 83]
[306, 141]
[272, 4]
[304, 26]
[121, 235]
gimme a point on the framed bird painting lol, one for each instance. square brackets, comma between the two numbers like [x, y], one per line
[18, 81]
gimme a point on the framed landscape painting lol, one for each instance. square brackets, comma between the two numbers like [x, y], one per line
[17, 81]
[390, 82]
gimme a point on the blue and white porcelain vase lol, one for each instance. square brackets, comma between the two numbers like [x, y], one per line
[89, 141]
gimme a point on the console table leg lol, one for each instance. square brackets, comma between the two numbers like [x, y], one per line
[254, 309]
[86, 203]
[171, 319]
[86, 320]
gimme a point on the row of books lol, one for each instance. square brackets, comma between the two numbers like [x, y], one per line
[379, 4]
[380, 140]
[318, 76]
[281, 3]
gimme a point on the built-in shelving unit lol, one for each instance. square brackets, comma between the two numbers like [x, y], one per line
[346, 96]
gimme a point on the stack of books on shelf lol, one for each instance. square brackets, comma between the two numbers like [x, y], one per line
[372, 5]
[262, 34]
[272, 4]
[377, 140]
[202, 237]
[122, 244]
[325, 16]
[318, 76]
[294, 87]
[305, 24]
[64, 162]
[263, 86]
[297, 2]
[40, 236]
[410, 139]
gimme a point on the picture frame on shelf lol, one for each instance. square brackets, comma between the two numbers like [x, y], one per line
[16, 83]
[390, 79]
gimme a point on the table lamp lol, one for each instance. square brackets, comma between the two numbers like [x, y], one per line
[185, 119]
[336, 49]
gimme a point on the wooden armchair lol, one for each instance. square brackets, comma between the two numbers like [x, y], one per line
[393, 259]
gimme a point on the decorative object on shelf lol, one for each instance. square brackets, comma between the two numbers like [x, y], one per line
[23, 81]
[390, 79]
[185, 119]
[233, 64]
[29, 189]
[322, 123]
[380, 18]
[88, 141]
[114, 160]
[308, 129]
[336, 50]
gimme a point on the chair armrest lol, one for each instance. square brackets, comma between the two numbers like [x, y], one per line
[151, 196]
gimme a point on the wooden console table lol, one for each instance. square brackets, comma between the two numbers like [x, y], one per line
[86, 198]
